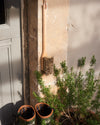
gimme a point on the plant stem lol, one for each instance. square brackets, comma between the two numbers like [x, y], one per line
[65, 114]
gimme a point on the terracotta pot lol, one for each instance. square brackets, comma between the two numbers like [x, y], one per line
[44, 113]
[26, 115]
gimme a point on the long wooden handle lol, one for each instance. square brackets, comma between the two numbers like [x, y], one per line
[44, 29]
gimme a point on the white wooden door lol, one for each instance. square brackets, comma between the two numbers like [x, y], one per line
[10, 61]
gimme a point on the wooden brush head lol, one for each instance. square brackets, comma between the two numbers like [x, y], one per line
[48, 65]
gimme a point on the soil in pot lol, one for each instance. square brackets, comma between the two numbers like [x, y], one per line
[29, 113]
[45, 110]
[44, 113]
[26, 115]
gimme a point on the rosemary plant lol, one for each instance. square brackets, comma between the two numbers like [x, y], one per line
[78, 94]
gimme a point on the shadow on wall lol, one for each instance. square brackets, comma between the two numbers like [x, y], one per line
[55, 3]
[84, 39]
[83, 1]
[8, 113]
[87, 50]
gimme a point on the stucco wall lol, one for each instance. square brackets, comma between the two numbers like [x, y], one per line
[56, 29]
[84, 31]
[56, 33]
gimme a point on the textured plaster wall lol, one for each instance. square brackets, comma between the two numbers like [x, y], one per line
[56, 29]
[84, 31]
[56, 33]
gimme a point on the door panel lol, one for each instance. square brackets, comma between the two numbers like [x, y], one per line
[10, 64]
[5, 74]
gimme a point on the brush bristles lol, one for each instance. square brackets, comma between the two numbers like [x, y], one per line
[47, 65]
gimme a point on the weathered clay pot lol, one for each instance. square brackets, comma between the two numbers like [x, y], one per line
[44, 113]
[26, 115]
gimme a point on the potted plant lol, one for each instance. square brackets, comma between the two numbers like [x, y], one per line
[77, 101]
[44, 114]
[26, 115]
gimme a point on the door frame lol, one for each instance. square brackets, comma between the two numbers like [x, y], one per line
[29, 31]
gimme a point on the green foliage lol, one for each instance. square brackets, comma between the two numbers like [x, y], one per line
[93, 122]
[81, 62]
[96, 101]
[43, 122]
[49, 98]
[75, 90]
[93, 61]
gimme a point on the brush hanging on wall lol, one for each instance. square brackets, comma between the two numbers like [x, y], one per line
[46, 62]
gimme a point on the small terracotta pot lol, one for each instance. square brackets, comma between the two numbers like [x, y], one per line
[44, 113]
[26, 115]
